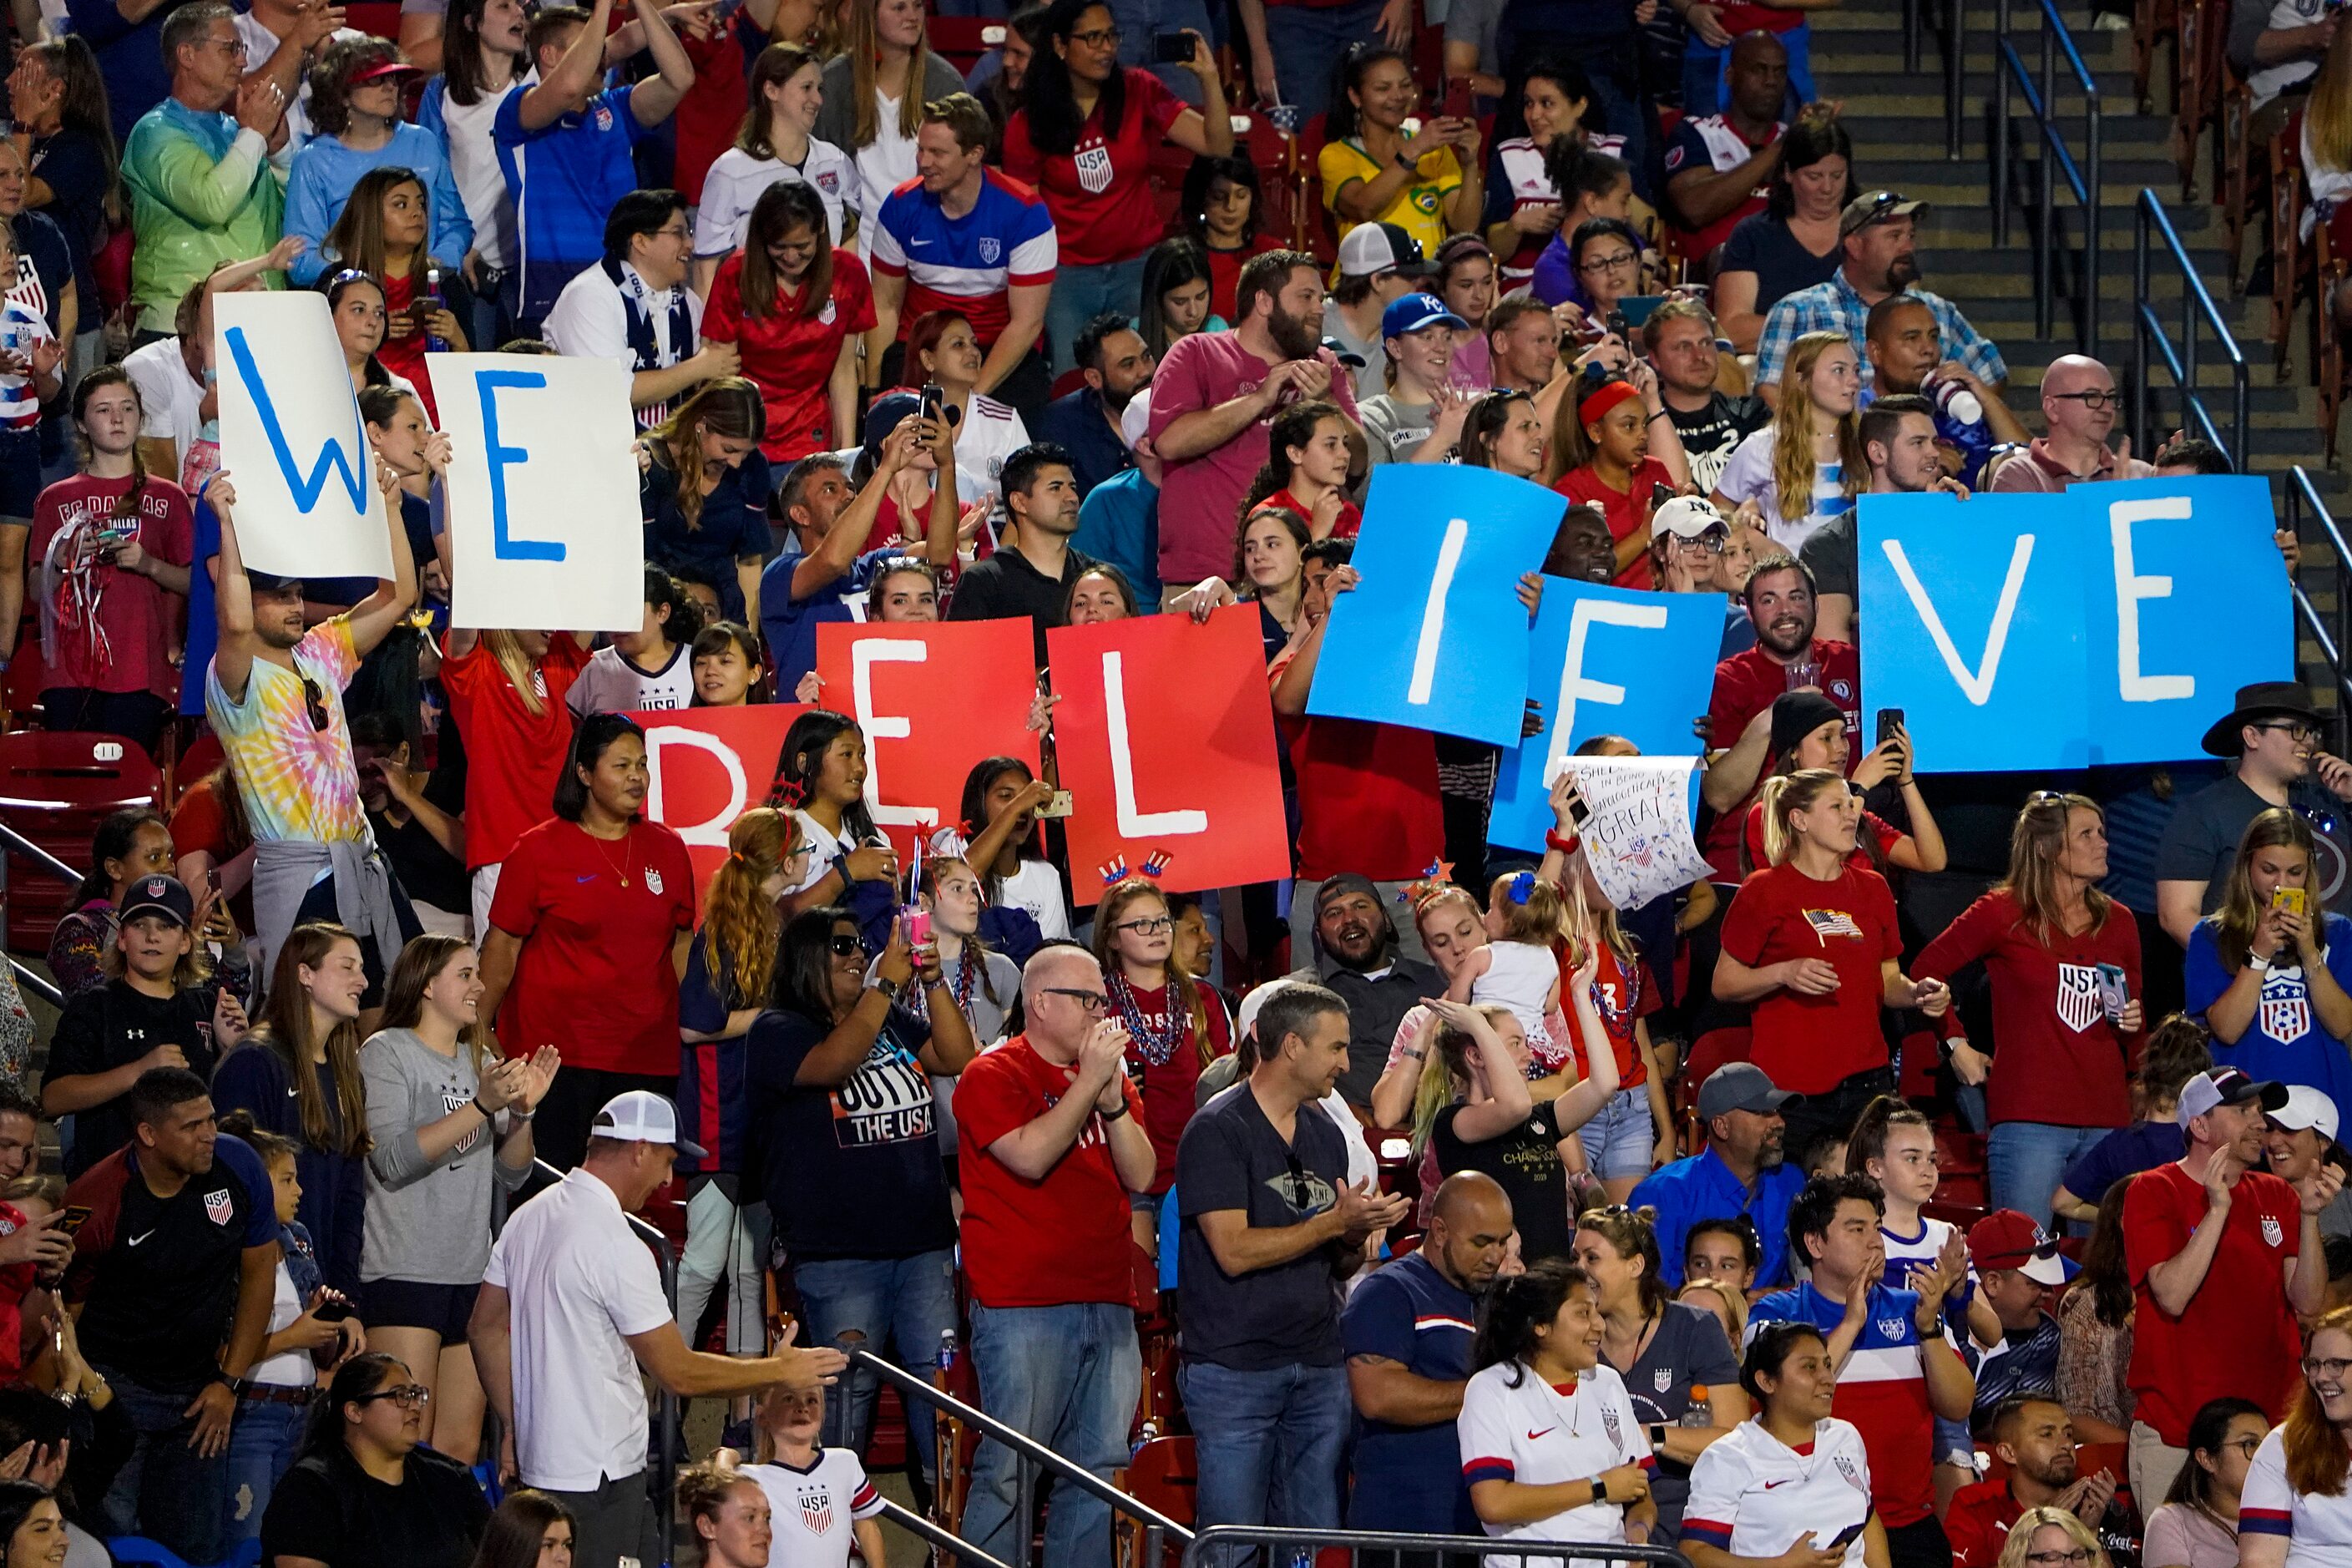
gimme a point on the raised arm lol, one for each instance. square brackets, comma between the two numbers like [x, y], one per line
[574, 76]
[232, 596]
[373, 619]
[654, 100]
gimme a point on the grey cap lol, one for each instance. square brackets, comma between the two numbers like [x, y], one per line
[1739, 1086]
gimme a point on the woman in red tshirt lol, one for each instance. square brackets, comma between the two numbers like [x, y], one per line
[506, 696]
[1618, 447]
[1084, 136]
[589, 932]
[1175, 1026]
[794, 307]
[1809, 732]
[1812, 943]
[2044, 932]
[1307, 453]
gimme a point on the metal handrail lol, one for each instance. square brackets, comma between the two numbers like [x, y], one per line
[2181, 361]
[2082, 179]
[1954, 30]
[1234, 1539]
[1031, 1456]
[28, 980]
[15, 843]
[963, 1552]
[2303, 500]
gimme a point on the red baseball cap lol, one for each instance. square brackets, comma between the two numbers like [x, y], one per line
[389, 68]
[2007, 1239]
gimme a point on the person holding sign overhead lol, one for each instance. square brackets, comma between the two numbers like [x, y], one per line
[275, 696]
[1812, 943]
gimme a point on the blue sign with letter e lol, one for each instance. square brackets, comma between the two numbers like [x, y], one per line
[1606, 661]
[1435, 637]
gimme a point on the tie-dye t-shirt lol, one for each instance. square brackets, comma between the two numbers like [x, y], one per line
[297, 782]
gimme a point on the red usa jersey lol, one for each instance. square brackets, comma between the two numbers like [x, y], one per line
[1537, 1435]
[1754, 1496]
[965, 264]
[809, 1511]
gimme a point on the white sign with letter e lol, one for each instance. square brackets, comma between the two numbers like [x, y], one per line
[544, 531]
[306, 505]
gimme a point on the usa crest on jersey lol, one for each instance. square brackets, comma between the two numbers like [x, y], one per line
[2078, 995]
[1664, 1376]
[991, 249]
[653, 880]
[1094, 167]
[2286, 1005]
[816, 1510]
[219, 1207]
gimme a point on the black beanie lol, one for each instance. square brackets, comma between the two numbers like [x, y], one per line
[1796, 715]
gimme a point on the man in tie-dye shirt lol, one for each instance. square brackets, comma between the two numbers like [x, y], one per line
[275, 696]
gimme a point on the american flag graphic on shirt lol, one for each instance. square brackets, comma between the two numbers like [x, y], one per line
[1827, 924]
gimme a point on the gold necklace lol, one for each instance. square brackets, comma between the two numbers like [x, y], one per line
[626, 858]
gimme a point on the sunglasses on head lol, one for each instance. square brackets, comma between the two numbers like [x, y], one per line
[315, 700]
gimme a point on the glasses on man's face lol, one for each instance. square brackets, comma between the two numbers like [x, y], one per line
[315, 700]
[408, 1395]
[844, 945]
[2325, 1368]
[2292, 728]
[1621, 261]
[2073, 1557]
[2095, 399]
[1098, 38]
[1151, 925]
[234, 45]
[1087, 1001]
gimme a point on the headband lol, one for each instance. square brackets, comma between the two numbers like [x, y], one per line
[1601, 399]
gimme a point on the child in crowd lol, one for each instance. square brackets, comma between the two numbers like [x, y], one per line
[2176, 1051]
[726, 666]
[647, 669]
[1517, 968]
[998, 837]
[819, 1498]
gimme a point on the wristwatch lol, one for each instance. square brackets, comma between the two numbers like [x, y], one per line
[1657, 1436]
[1407, 164]
[1599, 1490]
[891, 990]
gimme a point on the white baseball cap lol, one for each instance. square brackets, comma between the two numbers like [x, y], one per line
[2305, 1107]
[1135, 417]
[1687, 517]
[642, 1116]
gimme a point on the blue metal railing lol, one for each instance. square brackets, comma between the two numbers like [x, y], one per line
[2302, 502]
[2056, 160]
[2180, 360]
[1955, 28]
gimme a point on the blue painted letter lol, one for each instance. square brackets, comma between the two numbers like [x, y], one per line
[488, 383]
[306, 488]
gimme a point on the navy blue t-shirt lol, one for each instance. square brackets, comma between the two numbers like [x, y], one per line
[711, 1073]
[732, 527]
[1410, 1477]
[2125, 1152]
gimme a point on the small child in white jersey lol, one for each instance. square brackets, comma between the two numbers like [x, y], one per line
[819, 1500]
[30, 355]
[1517, 968]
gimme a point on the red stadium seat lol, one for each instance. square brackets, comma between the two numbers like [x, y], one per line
[379, 18]
[56, 787]
[957, 39]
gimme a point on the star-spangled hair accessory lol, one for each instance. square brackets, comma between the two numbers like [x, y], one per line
[1439, 872]
[1155, 865]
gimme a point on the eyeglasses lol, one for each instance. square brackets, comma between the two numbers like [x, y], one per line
[2074, 1558]
[2248, 1445]
[1099, 38]
[2329, 1370]
[2293, 729]
[1087, 1001]
[1607, 263]
[234, 45]
[408, 1395]
[844, 945]
[1881, 203]
[315, 700]
[2095, 399]
[1151, 925]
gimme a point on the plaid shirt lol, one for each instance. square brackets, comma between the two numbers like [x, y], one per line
[1834, 306]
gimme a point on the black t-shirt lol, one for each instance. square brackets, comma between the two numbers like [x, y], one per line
[1761, 244]
[1710, 435]
[425, 870]
[330, 1509]
[1526, 1161]
[1833, 557]
[158, 1277]
[854, 1170]
[43, 255]
[2201, 842]
[75, 170]
[1232, 1158]
[1005, 585]
[113, 1026]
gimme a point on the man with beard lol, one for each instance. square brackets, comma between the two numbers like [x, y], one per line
[1908, 352]
[1215, 398]
[1679, 339]
[1787, 657]
[1085, 422]
[2032, 1435]
[2224, 1257]
[275, 696]
[1357, 959]
[1881, 260]
[1407, 1331]
[1738, 1174]
[1031, 573]
[2079, 403]
[1900, 435]
[2273, 731]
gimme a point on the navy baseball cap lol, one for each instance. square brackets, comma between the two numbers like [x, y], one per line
[1411, 312]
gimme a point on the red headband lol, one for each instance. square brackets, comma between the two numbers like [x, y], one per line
[1597, 403]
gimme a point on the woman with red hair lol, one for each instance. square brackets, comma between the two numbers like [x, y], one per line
[2295, 1490]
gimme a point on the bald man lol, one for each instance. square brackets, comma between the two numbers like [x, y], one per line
[1054, 1145]
[2079, 404]
[1407, 1330]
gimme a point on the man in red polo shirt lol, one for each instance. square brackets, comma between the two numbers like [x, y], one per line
[1787, 657]
[2079, 405]
[2222, 1257]
[1052, 1133]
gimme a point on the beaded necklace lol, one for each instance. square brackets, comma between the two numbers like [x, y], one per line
[1155, 1045]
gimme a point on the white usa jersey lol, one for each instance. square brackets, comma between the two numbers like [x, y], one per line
[809, 1511]
[1537, 1436]
[1754, 1496]
[988, 432]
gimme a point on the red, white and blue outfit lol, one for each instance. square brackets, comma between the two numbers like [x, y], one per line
[2318, 1529]
[1882, 1390]
[810, 1511]
[1515, 1426]
[1404, 1476]
[1754, 1496]
[965, 264]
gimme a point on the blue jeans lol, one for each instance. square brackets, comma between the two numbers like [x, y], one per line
[1268, 1443]
[261, 1449]
[1307, 43]
[859, 1303]
[1706, 72]
[166, 1490]
[1069, 1377]
[2028, 1159]
[1082, 293]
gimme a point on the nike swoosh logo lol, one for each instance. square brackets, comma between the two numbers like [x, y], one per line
[589, 878]
[137, 1239]
[1531, 1436]
[1781, 1482]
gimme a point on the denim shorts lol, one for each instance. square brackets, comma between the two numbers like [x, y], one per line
[1618, 1138]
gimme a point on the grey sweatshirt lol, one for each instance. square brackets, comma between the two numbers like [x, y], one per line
[427, 1221]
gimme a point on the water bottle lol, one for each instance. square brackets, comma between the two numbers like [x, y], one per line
[435, 302]
[1697, 1412]
[1144, 1438]
[1956, 401]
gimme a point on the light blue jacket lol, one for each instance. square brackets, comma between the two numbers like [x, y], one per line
[325, 171]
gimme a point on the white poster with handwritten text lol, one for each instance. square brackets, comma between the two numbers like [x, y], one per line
[1637, 835]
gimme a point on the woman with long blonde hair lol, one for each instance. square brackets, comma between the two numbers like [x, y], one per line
[1807, 466]
[1176, 1025]
[2270, 970]
[704, 493]
[298, 1075]
[428, 1162]
[729, 970]
[2045, 934]
[875, 91]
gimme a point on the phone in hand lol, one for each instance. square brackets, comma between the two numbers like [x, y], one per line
[1460, 103]
[332, 1311]
[1619, 329]
[935, 403]
[2294, 900]
[1846, 1537]
[1660, 495]
[1889, 720]
[916, 922]
[72, 1218]
[1171, 48]
[2115, 991]
[1055, 804]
